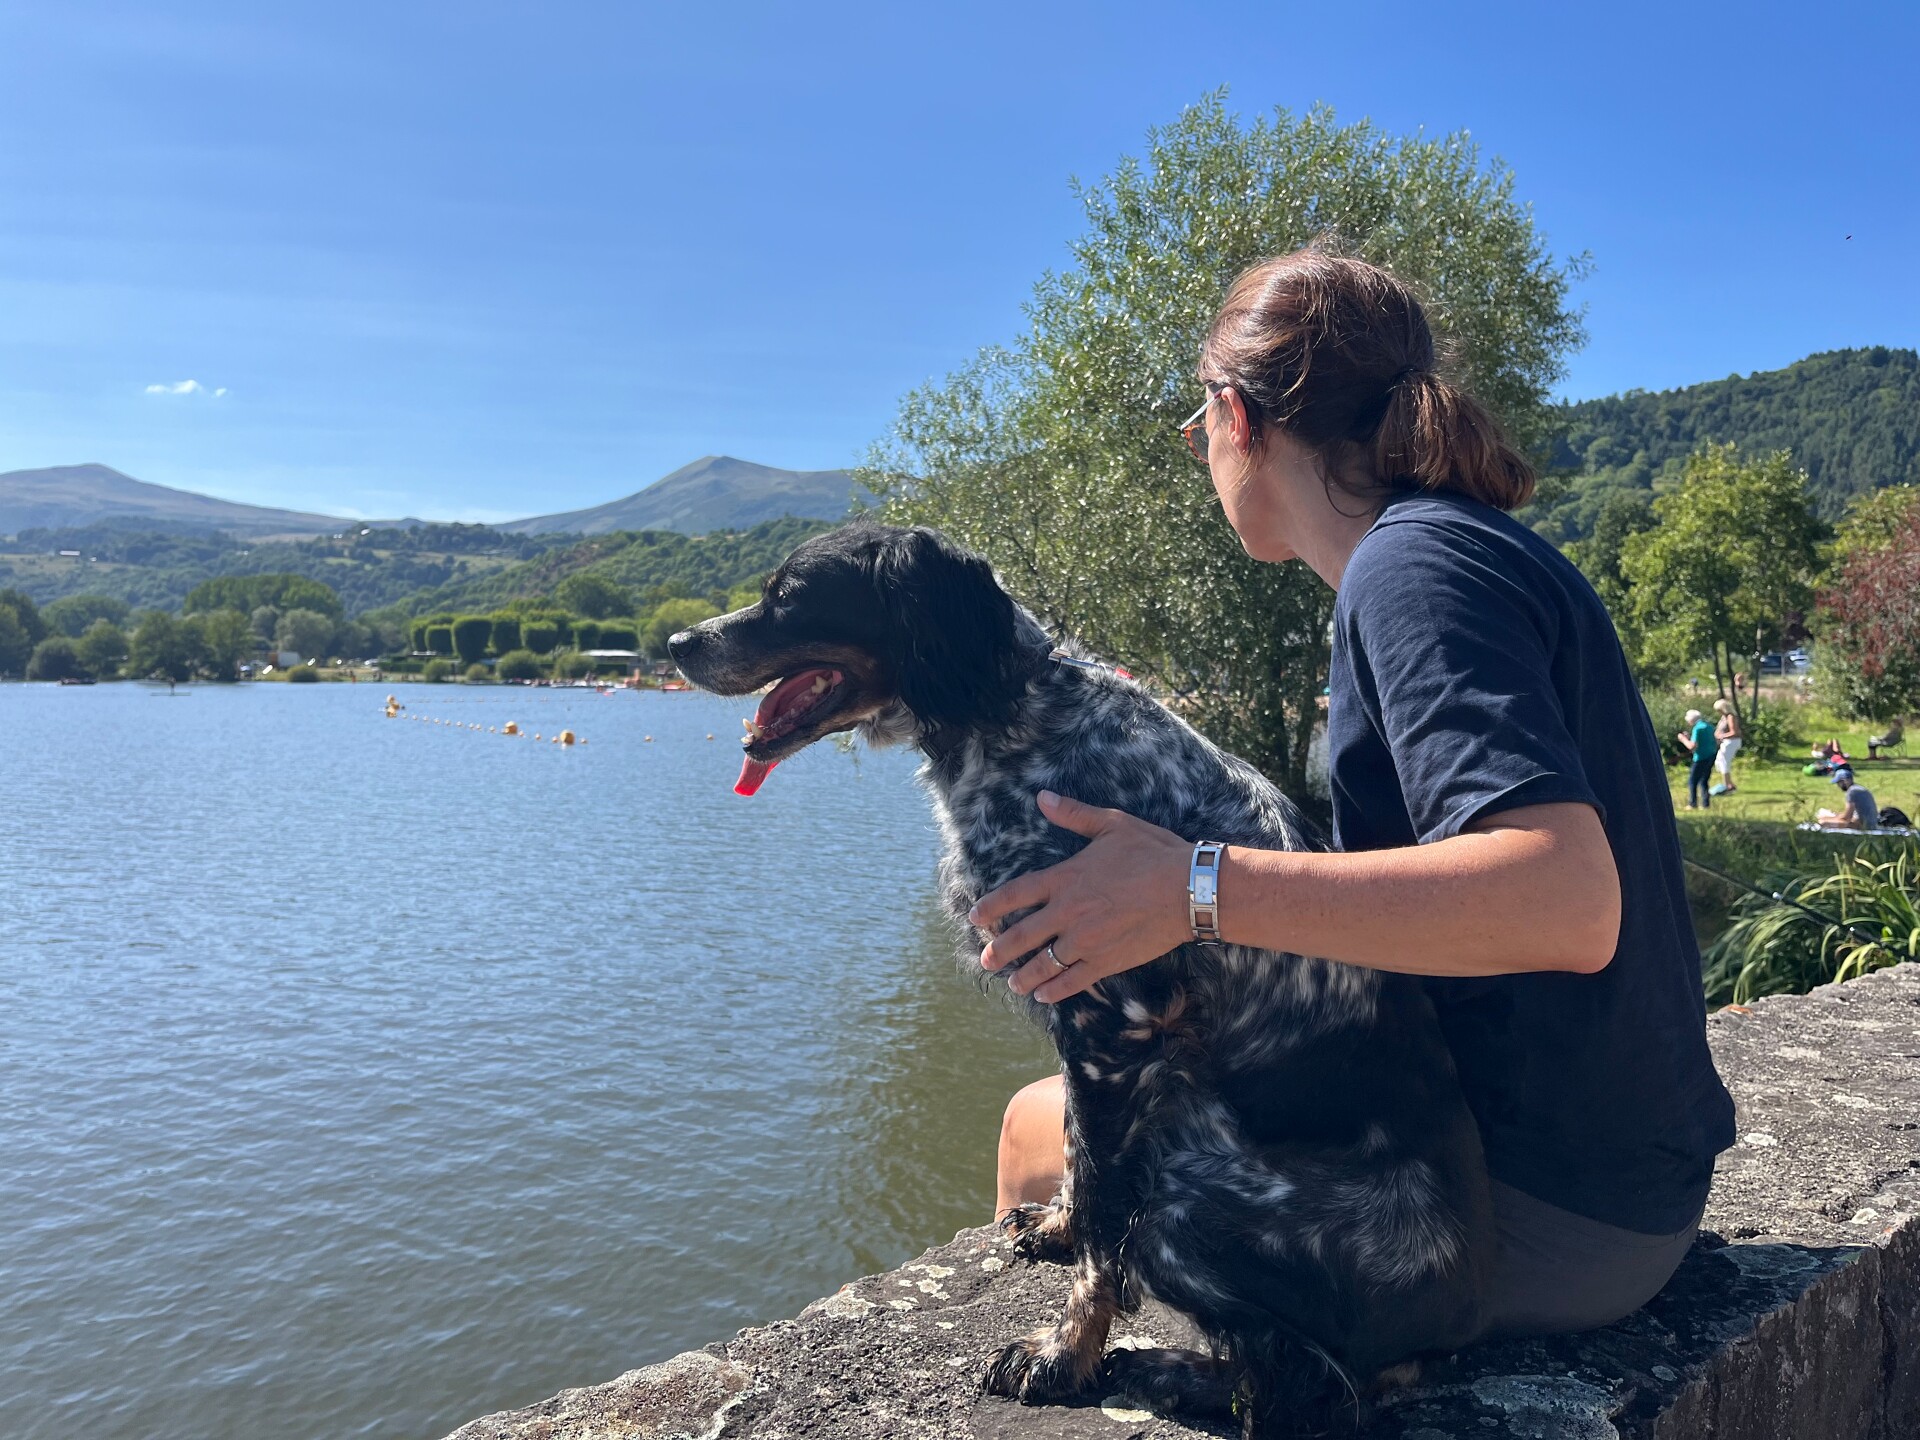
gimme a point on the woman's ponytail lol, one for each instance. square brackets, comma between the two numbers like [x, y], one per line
[1338, 354]
[1435, 436]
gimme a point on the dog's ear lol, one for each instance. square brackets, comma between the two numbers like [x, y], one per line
[950, 630]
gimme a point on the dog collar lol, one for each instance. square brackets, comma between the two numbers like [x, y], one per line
[1061, 657]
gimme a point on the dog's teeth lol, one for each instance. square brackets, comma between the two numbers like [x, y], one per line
[819, 684]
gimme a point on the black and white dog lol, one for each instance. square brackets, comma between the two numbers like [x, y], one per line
[1274, 1145]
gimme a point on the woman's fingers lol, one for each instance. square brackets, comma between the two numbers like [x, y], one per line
[1023, 892]
[1016, 940]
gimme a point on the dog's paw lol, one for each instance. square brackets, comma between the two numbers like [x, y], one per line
[1039, 1232]
[1036, 1370]
[1170, 1380]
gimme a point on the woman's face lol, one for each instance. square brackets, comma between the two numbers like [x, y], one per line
[1268, 490]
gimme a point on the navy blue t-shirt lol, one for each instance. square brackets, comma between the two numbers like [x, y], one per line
[1475, 671]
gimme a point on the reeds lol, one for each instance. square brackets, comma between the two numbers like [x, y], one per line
[1770, 948]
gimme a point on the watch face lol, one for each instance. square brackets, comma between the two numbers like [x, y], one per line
[1203, 889]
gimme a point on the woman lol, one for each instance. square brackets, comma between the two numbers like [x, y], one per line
[1698, 738]
[1727, 732]
[1499, 802]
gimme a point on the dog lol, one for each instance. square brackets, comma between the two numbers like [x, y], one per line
[1274, 1145]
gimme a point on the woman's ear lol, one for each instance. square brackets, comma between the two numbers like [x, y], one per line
[950, 630]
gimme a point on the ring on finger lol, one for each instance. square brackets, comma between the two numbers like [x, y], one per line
[1058, 963]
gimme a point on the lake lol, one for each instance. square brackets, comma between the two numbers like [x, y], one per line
[363, 1076]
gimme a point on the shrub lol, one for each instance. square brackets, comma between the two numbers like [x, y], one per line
[572, 666]
[1769, 732]
[477, 675]
[55, 658]
[1771, 948]
[506, 633]
[518, 665]
[303, 675]
[617, 635]
[539, 636]
[440, 638]
[1664, 708]
[436, 670]
[470, 636]
[586, 634]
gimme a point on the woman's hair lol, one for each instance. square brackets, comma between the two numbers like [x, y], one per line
[1722, 706]
[1337, 354]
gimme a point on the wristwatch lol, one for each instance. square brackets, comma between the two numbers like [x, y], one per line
[1203, 892]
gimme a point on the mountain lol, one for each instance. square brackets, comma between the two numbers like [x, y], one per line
[70, 495]
[1850, 417]
[715, 492]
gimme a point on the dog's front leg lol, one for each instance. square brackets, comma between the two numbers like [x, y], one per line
[1063, 1360]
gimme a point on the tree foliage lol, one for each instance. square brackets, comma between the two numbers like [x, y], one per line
[308, 632]
[518, 665]
[21, 628]
[471, 635]
[1058, 456]
[75, 613]
[1729, 566]
[163, 647]
[670, 617]
[55, 658]
[247, 593]
[103, 649]
[1851, 417]
[592, 595]
[226, 639]
[1871, 608]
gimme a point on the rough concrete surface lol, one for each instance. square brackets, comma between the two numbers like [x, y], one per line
[1796, 1315]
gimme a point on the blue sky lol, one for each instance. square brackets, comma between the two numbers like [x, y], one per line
[481, 260]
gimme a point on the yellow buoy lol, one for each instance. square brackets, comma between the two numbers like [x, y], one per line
[566, 737]
[510, 728]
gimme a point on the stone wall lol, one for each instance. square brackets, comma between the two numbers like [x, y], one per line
[1797, 1314]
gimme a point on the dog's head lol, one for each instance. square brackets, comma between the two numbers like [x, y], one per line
[897, 630]
[868, 624]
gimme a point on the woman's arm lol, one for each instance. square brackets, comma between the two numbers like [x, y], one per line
[1531, 889]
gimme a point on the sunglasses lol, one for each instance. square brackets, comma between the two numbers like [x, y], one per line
[1194, 429]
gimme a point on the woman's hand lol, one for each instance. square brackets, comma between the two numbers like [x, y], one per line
[1117, 904]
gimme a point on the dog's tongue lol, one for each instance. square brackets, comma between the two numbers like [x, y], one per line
[753, 774]
[790, 692]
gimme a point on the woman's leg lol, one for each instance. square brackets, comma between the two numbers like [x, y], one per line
[1033, 1146]
[1558, 1272]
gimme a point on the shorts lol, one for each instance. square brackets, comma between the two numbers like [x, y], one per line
[1558, 1272]
[1729, 748]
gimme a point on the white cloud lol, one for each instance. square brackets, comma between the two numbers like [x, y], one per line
[186, 387]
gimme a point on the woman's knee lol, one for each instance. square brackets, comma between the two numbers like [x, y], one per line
[1033, 1144]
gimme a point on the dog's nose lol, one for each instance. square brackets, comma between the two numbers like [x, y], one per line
[683, 644]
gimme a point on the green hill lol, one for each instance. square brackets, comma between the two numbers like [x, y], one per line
[1850, 417]
[406, 572]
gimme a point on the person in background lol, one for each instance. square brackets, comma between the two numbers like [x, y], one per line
[1862, 812]
[1698, 738]
[1727, 732]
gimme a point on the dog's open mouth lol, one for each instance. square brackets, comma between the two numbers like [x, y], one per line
[803, 697]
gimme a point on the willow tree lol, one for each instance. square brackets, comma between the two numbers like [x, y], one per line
[1057, 455]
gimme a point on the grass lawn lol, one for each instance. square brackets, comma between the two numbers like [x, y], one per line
[1775, 789]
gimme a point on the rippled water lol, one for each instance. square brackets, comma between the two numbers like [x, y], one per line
[364, 1076]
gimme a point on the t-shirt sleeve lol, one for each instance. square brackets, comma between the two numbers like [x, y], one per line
[1452, 659]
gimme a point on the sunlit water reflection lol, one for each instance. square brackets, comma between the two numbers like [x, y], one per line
[362, 1075]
